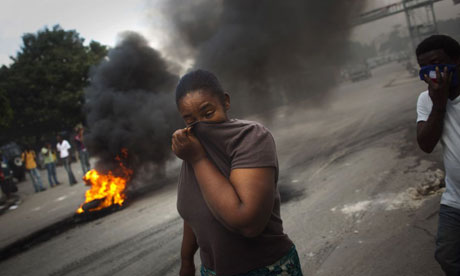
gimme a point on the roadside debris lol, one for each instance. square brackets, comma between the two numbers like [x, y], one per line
[434, 185]
[412, 198]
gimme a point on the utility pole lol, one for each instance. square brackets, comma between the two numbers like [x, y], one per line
[420, 17]
[421, 20]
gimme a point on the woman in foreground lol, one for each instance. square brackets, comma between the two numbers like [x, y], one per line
[227, 193]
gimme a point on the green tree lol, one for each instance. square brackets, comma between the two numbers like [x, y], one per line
[6, 113]
[45, 83]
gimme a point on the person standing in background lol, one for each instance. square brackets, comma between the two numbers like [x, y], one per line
[50, 163]
[28, 156]
[63, 147]
[82, 151]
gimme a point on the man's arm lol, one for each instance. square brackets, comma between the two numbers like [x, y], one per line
[67, 145]
[188, 250]
[429, 132]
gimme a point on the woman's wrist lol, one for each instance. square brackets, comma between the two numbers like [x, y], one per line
[198, 159]
[187, 268]
[187, 261]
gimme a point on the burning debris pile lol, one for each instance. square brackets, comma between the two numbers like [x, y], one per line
[131, 114]
[106, 189]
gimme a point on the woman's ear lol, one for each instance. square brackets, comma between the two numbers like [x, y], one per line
[227, 102]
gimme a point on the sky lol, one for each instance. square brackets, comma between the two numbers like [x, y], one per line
[97, 20]
[93, 19]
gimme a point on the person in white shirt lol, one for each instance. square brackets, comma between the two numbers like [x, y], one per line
[438, 120]
[63, 148]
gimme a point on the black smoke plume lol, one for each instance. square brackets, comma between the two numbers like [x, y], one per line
[266, 53]
[130, 105]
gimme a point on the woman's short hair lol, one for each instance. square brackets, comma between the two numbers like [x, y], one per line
[439, 42]
[199, 80]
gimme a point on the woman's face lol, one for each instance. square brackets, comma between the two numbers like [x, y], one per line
[203, 106]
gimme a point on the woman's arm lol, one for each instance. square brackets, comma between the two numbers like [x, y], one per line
[188, 250]
[242, 203]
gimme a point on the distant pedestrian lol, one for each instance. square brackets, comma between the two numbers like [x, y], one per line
[63, 147]
[82, 151]
[29, 156]
[50, 163]
[438, 120]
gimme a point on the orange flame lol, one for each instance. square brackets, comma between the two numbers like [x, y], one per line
[108, 188]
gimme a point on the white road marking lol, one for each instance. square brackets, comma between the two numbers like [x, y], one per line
[61, 198]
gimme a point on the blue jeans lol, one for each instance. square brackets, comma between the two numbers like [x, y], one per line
[51, 168]
[84, 160]
[36, 179]
[68, 168]
[448, 240]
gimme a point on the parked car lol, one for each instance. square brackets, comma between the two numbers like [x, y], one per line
[12, 153]
[359, 72]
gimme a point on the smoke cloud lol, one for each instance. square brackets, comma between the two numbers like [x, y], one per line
[265, 52]
[130, 104]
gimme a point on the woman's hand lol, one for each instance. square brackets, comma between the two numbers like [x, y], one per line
[187, 269]
[186, 146]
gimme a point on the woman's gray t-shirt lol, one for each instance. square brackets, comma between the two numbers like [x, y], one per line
[230, 145]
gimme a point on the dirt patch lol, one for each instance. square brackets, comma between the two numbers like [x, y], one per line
[412, 198]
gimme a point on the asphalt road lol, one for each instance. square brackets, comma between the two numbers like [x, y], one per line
[347, 166]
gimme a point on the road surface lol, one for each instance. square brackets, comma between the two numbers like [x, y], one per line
[347, 167]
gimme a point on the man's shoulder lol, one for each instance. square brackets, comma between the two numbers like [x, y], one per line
[424, 99]
[424, 95]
